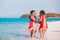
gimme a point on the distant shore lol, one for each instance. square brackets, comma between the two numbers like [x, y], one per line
[50, 15]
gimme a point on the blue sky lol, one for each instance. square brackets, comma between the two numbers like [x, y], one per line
[15, 8]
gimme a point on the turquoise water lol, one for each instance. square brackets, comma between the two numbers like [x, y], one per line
[16, 28]
[24, 20]
[48, 19]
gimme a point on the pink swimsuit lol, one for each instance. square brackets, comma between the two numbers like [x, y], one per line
[32, 24]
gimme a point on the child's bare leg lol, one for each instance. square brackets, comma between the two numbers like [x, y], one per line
[32, 33]
[41, 34]
[44, 30]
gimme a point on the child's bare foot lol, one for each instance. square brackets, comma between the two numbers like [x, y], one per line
[42, 38]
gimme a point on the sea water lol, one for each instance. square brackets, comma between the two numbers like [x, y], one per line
[16, 28]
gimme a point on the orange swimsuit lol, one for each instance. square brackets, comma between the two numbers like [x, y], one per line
[43, 23]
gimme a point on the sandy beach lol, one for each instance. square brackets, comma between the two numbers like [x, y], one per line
[53, 32]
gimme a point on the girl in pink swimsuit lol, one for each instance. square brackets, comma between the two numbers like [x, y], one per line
[32, 24]
[43, 24]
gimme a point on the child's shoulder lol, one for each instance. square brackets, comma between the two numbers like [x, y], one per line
[44, 16]
[31, 16]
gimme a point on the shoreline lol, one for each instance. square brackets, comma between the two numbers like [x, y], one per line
[19, 32]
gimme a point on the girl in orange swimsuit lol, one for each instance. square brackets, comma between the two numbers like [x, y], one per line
[43, 24]
[32, 24]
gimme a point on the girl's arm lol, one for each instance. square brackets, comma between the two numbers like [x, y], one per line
[32, 18]
[40, 20]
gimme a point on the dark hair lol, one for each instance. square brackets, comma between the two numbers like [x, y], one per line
[42, 12]
[32, 11]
